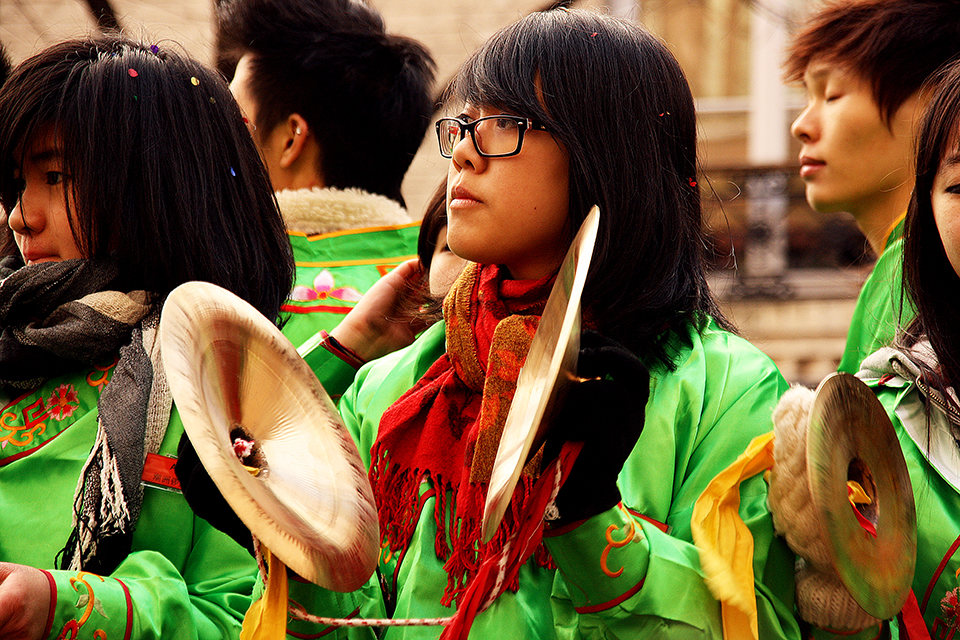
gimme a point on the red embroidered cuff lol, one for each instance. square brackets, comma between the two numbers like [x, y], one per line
[604, 558]
[53, 604]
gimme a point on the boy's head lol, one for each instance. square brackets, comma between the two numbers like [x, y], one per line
[864, 64]
[325, 73]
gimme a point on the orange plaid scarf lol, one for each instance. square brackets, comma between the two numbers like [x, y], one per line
[447, 427]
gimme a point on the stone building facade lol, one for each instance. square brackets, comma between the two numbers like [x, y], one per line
[712, 41]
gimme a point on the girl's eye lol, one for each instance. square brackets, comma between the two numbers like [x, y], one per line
[505, 124]
[54, 178]
[954, 189]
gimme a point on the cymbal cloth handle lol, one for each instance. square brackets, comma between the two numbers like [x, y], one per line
[606, 413]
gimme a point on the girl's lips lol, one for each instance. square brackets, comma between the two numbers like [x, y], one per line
[460, 197]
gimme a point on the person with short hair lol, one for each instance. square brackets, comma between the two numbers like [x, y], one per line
[338, 108]
[915, 380]
[864, 64]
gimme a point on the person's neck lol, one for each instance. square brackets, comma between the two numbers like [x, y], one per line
[878, 219]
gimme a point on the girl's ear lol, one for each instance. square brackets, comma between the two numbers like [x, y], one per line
[296, 133]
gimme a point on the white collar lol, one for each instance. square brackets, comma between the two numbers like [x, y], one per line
[324, 210]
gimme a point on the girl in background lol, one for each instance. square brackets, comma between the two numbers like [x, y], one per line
[125, 170]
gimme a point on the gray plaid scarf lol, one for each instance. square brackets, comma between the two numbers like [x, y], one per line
[56, 317]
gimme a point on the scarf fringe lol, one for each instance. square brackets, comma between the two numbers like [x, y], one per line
[399, 517]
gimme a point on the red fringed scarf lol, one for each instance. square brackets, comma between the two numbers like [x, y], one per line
[447, 427]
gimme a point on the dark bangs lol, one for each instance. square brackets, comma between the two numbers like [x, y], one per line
[165, 175]
[617, 101]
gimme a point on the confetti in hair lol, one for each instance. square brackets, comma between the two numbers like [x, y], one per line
[693, 183]
[155, 49]
[232, 172]
[133, 73]
[213, 100]
[194, 81]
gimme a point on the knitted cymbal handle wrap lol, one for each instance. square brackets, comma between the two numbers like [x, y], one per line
[794, 516]
[822, 598]
[823, 601]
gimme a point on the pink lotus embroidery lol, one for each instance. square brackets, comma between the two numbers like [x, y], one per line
[63, 402]
[323, 288]
[950, 607]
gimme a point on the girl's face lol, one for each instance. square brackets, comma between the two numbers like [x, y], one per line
[510, 211]
[945, 201]
[39, 221]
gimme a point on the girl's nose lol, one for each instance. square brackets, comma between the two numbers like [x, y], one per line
[465, 155]
[21, 219]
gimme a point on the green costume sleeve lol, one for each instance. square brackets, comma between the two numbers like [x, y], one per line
[147, 597]
[877, 313]
[181, 579]
[699, 418]
[333, 373]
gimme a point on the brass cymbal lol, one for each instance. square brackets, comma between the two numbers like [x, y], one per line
[548, 371]
[234, 375]
[851, 438]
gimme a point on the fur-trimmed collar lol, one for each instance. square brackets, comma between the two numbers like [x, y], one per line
[316, 210]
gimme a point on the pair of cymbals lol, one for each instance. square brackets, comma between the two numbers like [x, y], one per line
[234, 375]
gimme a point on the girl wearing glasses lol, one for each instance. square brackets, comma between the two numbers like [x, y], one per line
[556, 113]
[125, 170]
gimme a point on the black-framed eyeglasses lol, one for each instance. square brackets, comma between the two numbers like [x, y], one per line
[493, 136]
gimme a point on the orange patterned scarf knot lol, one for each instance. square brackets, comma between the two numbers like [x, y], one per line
[447, 427]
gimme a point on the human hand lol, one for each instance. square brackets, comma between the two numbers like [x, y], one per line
[606, 413]
[24, 602]
[373, 328]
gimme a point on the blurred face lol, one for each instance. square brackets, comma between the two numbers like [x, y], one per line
[945, 201]
[509, 211]
[445, 266]
[850, 160]
[39, 221]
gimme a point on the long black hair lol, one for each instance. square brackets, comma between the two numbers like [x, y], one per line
[166, 178]
[618, 102]
[928, 277]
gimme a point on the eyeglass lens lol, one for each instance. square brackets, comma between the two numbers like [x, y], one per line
[491, 135]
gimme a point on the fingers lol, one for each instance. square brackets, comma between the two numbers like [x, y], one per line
[405, 275]
[24, 602]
